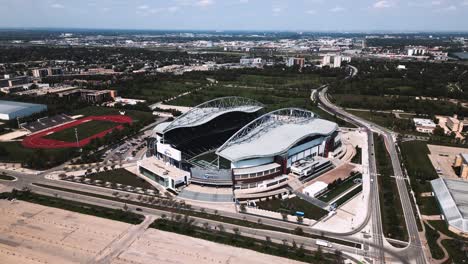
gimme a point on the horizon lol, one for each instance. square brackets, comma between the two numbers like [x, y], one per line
[240, 15]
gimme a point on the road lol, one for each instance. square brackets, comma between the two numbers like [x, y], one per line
[413, 252]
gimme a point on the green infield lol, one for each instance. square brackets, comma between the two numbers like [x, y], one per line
[291, 206]
[84, 130]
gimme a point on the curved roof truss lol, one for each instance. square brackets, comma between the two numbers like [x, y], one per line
[209, 110]
[266, 122]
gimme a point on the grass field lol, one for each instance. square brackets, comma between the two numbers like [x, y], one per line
[121, 176]
[291, 206]
[393, 221]
[6, 177]
[418, 165]
[44, 158]
[341, 188]
[137, 116]
[84, 130]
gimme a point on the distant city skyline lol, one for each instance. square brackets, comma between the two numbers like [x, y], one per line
[294, 15]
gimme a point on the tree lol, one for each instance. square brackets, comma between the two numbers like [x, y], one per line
[125, 207]
[298, 231]
[242, 208]
[284, 216]
[300, 219]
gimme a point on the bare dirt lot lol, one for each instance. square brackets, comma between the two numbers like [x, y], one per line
[31, 233]
[443, 157]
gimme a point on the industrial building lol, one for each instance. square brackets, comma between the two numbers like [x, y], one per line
[226, 142]
[10, 110]
[452, 198]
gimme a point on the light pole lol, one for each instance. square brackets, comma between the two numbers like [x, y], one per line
[76, 136]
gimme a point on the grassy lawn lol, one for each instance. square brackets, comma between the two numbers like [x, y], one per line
[432, 236]
[15, 152]
[6, 177]
[85, 130]
[121, 176]
[393, 221]
[386, 120]
[339, 189]
[456, 250]
[113, 214]
[137, 116]
[291, 206]
[421, 172]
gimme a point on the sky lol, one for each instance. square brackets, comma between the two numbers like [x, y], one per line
[291, 15]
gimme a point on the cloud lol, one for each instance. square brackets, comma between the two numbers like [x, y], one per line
[311, 12]
[337, 9]
[143, 7]
[276, 10]
[204, 3]
[58, 6]
[449, 8]
[243, 1]
[173, 9]
[464, 3]
[382, 4]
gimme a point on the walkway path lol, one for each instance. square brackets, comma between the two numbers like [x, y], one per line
[123, 242]
[442, 236]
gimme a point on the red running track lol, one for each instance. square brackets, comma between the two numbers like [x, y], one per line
[38, 140]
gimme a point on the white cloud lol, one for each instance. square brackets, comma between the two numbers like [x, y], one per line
[449, 8]
[382, 4]
[58, 6]
[143, 7]
[243, 1]
[337, 9]
[173, 9]
[311, 12]
[464, 3]
[204, 3]
[276, 10]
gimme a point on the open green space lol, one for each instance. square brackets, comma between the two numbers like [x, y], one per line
[432, 236]
[421, 172]
[442, 226]
[113, 214]
[339, 188]
[6, 177]
[33, 158]
[393, 220]
[291, 206]
[137, 116]
[386, 120]
[456, 249]
[84, 130]
[185, 226]
[121, 176]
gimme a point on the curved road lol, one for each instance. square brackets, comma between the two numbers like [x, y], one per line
[413, 252]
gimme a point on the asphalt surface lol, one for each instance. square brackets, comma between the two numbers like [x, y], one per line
[413, 252]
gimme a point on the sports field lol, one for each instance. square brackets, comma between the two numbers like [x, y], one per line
[64, 136]
[84, 130]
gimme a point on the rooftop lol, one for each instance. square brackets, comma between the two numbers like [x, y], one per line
[274, 133]
[453, 199]
[424, 122]
[162, 169]
[208, 111]
[7, 107]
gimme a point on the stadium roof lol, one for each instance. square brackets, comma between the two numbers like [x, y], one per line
[8, 107]
[208, 111]
[274, 133]
[453, 200]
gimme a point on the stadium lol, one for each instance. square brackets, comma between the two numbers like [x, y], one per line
[229, 142]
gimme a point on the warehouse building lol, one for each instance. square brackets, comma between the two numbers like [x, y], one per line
[10, 109]
[452, 197]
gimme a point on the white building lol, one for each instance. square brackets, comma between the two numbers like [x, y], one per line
[315, 189]
[424, 125]
[250, 61]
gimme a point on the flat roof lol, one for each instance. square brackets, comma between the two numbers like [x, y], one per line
[162, 169]
[424, 122]
[315, 188]
[277, 139]
[7, 107]
[453, 199]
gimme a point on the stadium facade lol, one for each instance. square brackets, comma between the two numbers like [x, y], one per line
[229, 142]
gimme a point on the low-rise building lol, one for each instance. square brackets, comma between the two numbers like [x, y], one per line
[424, 125]
[163, 173]
[315, 189]
[461, 164]
[292, 61]
[454, 124]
